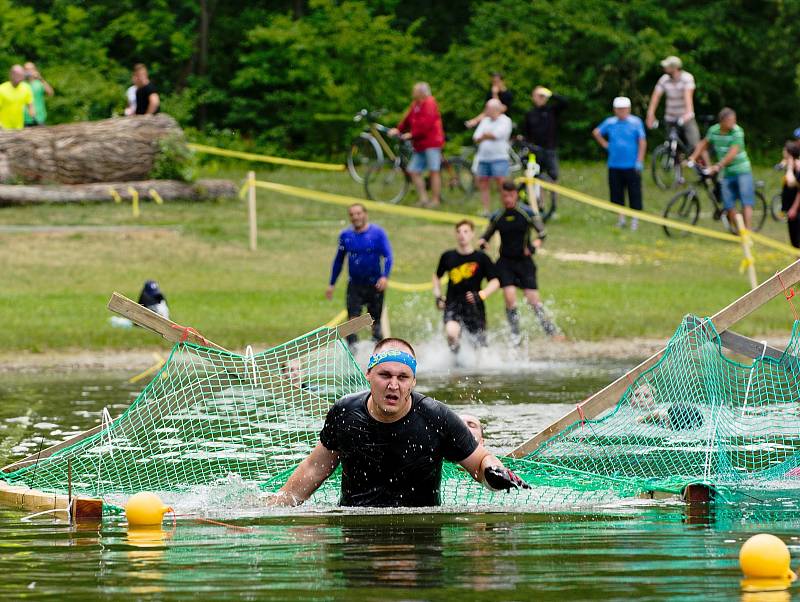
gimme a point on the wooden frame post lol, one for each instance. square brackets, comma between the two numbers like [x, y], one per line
[723, 320]
[251, 209]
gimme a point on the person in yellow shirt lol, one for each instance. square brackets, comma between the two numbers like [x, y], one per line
[15, 97]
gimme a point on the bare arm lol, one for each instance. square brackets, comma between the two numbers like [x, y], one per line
[729, 156]
[153, 102]
[642, 150]
[48, 89]
[699, 149]
[599, 137]
[655, 98]
[791, 180]
[688, 98]
[478, 461]
[31, 111]
[306, 478]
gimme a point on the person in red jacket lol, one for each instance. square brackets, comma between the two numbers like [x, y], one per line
[423, 126]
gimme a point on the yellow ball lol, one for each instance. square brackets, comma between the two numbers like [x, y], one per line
[145, 509]
[764, 556]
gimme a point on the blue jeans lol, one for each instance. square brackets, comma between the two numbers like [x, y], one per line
[430, 159]
[738, 188]
[493, 169]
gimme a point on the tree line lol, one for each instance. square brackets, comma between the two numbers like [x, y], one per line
[287, 75]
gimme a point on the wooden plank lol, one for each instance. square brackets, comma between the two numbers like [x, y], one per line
[608, 397]
[150, 320]
[748, 347]
[354, 325]
[45, 453]
[33, 500]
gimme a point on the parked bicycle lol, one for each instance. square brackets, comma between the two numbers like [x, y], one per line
[546, 200]
[388, 180]
[685, 206]
[370, 146]
[776, 202]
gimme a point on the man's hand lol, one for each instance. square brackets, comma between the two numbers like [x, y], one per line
[650, 121]
[714, 169]
[482, 244]
[329, 292]
[380, 285]
[639, 166]
[472, 297]
[537, 243]
[501, 478]
[393, 132]
[792, 213]
[406, 136]
[440, 303]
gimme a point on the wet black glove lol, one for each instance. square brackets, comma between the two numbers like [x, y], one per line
[500, 477]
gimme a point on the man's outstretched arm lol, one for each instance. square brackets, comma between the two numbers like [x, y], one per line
[306, 478]
[487, 469]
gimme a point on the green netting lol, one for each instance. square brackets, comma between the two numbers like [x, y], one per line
[696, 416]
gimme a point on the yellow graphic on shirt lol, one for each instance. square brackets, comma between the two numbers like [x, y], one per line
[463, 272]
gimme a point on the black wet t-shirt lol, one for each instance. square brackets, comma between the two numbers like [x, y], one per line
[398, 463]
[464, 272]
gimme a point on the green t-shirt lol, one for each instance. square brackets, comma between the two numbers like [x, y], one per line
[721, 143]
[38, 104]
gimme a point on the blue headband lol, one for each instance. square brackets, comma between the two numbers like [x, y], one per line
[393, 355]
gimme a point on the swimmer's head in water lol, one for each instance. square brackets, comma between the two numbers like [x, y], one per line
[474, 425]
[684, 416]
[643, 397]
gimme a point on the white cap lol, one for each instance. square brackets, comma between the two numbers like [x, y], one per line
[672, 62]
[622, 102]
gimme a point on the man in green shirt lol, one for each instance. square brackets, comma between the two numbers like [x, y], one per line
[726, 138]
[40, 88]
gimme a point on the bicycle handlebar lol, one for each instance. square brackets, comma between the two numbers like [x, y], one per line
[369, 115]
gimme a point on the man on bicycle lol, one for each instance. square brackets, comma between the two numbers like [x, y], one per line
[726, 138]
[422, 125]
[678, 86]
[540, 129]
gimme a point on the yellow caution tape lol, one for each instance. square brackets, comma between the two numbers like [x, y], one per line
[154, 368]
[339, 199]
[774, 244]
[115, 195]
[746, 263]
[134, 200]
[243, 190]
[337, 319]
[213, 150]
[410, 288]
[155, 196]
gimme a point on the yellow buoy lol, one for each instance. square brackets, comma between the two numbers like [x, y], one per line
[145, 509]
[765, 561]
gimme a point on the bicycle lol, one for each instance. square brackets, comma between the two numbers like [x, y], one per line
[546, 210]
[369, 147]
[666, 162]
[776, 202]
[389, 180]
[685, 206]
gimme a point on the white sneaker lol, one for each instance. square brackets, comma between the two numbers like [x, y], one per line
[621, 222]
[634, 224]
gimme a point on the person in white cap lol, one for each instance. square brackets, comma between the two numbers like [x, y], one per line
[623, 137]
[678, 86]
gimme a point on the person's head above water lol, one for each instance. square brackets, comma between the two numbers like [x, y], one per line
[391, 373]
[474, 425]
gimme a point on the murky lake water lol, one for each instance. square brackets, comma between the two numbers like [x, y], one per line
[645, 551]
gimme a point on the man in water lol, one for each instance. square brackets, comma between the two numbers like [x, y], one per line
[515, 267]
[466, 269]
[474, 425]
[391, 442]
[364, 245]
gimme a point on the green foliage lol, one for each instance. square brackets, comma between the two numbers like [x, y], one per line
[290, 85]
[174, 160]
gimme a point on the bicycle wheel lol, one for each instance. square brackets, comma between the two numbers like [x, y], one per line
[776, 208]
[386, 182]
[683, 207]
[364, 152]
[665, 168]
[547, 199]
[759, 212]
[458, 182]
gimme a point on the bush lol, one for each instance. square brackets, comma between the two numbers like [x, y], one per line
[174, 160]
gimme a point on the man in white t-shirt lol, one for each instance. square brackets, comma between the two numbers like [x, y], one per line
[678, 87]
[492, 136]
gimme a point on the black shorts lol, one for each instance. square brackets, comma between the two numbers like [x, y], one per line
[519, 272]
[471, 316]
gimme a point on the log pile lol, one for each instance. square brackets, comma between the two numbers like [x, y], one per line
[111, 150]
[165, 189]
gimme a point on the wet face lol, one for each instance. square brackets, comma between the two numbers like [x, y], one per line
[474, 426]
[390, 387]
[358, 217]
[509, 197]
[464, 235]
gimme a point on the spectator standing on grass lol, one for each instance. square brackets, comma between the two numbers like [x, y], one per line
[148, 101]
[130, 97]
[39, 88]
[369, 263]
[623, 138]
[497, 91]
[790, 193]
[15, 97]
[422, 125]
[492, 136]
[726, 139]
[678, 87]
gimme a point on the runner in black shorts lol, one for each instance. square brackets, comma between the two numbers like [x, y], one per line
[515, 267]
[466, 269]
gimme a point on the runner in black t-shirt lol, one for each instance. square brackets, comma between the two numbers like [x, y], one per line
[466, 269]
[147, 100]
[515, 267]
[391, 442]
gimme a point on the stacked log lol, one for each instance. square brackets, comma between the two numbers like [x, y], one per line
[112, 150]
